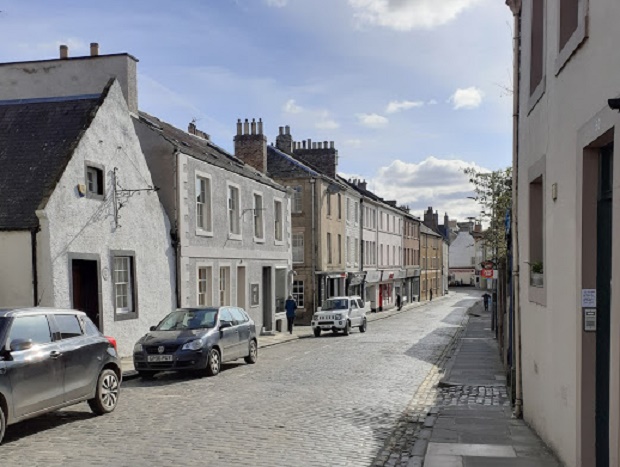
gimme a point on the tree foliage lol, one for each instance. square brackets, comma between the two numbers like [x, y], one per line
[494, 194]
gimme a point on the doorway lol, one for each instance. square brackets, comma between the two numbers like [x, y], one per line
[85, 282]
[267, 299]
[603, 301]
[241, 288]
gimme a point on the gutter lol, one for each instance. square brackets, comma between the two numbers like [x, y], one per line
[35, 273]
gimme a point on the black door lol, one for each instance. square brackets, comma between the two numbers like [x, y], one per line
[603, 295]
[267, 305]
[86, 288]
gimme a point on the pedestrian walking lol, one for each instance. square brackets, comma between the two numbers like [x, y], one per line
[290, 306]
[431, 295]
[486, 297]
[399, 302]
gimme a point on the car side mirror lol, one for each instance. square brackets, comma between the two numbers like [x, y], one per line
[225, 325]
[153, 328]
[21, 344]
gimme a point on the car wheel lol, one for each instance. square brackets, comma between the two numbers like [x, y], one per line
[106, 396]
[253, 355]
[213, 363]
[149, 375]
[2, 424]
[347, 328]
[363, 326]
[317, 332]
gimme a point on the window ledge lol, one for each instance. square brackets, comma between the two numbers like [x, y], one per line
[204, 233]
[278, 242]
[232, 236]
[259, 240]
[95, 196]
[125, 315]
[536, 95]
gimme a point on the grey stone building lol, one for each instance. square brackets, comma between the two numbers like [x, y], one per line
[231, 222]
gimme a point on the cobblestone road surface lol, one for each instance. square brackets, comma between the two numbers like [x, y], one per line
[332, 401]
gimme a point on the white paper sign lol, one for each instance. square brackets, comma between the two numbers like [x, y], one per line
[588, 298]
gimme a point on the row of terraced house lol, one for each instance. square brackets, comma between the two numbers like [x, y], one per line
[110, 210]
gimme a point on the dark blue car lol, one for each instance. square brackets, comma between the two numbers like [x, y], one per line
[198, 339]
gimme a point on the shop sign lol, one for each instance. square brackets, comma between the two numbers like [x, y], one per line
[373, 276]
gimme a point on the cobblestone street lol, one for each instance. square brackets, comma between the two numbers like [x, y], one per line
[335, 400]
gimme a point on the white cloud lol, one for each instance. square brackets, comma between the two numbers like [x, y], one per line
[290, 107]
[469, 98]
[434, 181]
[396, 106]
[372, 120]
[277, 3]
[405, 15]
[432, 102]
[327, 125]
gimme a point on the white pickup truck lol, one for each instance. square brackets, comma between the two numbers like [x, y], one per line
[340, 314]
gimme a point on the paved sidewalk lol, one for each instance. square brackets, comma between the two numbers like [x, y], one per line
[299, 332]
[471, 424]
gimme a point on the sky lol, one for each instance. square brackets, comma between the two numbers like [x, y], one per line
[411, 91]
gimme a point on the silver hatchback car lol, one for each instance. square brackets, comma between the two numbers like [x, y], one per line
[197, 339]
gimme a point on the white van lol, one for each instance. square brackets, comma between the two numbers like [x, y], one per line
[340, 314]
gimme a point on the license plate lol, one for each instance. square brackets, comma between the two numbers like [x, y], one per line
[160, 358]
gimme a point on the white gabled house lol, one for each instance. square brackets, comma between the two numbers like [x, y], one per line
[73, 233]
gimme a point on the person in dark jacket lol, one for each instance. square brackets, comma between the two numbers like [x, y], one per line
[399, 302]
[290, 307]
[486, 298]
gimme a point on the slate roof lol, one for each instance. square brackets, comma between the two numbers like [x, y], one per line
[428, 231]
[204, 150]
[37, 140]
[282, 165]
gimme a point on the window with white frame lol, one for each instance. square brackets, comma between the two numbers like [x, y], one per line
[205, 286]
[298, 293]
[233, 210]
[349, 257]
[348, 209]
[356, 250]
[297, 199]
[329, 248]
[203, 204]
[278, 227]
[124, 284]
[329, 203]
[224, 286]
[339, 206]
[356, 211]
[298, 247]
[258, 217]
[94, 181]
[339, 249]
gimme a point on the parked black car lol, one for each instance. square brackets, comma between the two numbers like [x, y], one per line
[52, 358]
[197, 339]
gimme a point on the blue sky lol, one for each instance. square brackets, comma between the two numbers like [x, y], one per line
[411, 91]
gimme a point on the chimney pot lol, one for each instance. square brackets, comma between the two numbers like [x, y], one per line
[331, 145]
[260, 126]
[253, 126]
[246, 127]
[64, 52]
[94, 49]
[281, 130]
[239, 127]
[287, 130]
[309, 143]
[325, 144]
[304, 144]
[313, 145]
[191, 128]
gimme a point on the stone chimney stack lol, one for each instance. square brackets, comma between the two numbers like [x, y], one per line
[362, 184]
[64, 52]
[284, 141]
[251, 146]
[322, 156]
[94, 49]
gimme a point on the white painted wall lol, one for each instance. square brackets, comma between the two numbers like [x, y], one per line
[16, 269]
[462, 250]
[574, 104]
[74, 225]
[352, 230]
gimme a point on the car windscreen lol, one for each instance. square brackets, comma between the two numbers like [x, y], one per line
[189, 319]
[335, 304]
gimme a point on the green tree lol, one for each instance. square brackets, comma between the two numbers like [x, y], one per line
[494, 194]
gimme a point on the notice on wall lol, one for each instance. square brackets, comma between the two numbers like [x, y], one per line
[589, 320]
[588, 298]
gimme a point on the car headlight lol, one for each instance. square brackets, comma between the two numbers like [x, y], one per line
[194, 345]
[138, 348]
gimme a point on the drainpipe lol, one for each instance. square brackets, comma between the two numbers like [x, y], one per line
[177, 236]
[313, 183]
[35, 274]
[516, 11]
